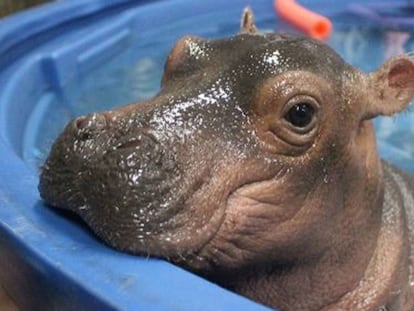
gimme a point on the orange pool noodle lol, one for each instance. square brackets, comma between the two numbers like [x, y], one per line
[315, 25]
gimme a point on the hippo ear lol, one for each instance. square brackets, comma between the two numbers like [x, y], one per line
[247, 21]
[391, 87]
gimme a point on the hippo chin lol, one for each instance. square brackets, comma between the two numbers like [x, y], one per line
[256, 167]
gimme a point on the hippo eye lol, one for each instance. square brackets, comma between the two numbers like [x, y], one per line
[300, 114]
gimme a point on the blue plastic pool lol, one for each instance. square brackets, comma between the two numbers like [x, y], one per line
[72, 57]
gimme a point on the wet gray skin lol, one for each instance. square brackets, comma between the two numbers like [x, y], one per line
[256, 167]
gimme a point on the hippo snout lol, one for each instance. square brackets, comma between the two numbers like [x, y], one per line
[99, 130]
[116, 172]
[87, 126]
[90, 146]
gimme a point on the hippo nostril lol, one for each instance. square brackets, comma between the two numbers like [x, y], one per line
[90, 124]
[80, 122]
[93, 121]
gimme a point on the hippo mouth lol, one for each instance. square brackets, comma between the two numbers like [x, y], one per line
[135, 196]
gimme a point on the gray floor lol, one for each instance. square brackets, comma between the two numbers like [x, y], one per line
[8, 7]
[6, 304]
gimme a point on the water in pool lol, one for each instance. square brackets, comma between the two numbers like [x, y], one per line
[135, 74]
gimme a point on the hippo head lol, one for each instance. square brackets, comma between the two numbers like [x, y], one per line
[247, 155]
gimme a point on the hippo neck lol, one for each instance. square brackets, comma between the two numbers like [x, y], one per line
[384, 284]
[362, 269]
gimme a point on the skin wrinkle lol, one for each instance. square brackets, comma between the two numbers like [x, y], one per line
[250, 232]
[201, 250]
[214, 232]
[267, 202]
[238, 245]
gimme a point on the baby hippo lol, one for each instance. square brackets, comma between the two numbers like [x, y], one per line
[256, 167]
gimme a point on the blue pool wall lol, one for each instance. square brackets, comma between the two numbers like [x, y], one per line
[46, 57]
